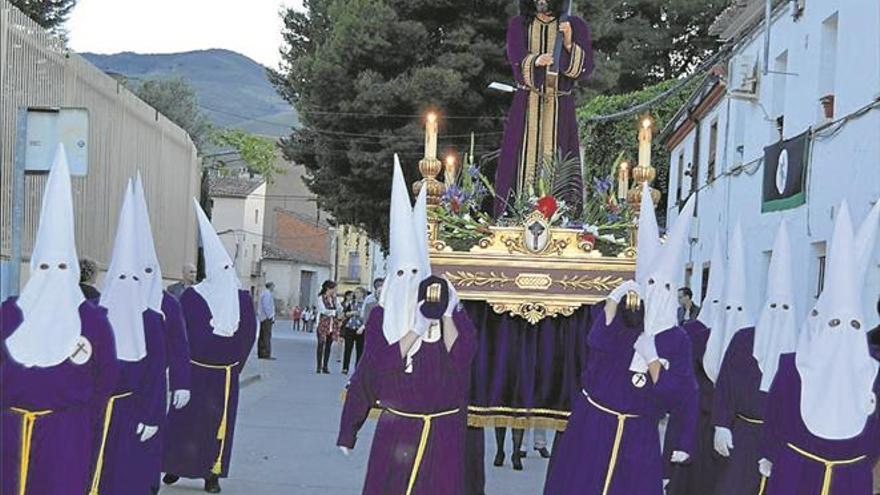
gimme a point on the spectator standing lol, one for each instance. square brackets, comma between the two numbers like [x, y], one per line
[328, 324]
[353, 329]
[188, 273]
[296, 315]
[687, 310]
[266, 315]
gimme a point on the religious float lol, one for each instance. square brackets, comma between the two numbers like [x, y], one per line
[529, 279]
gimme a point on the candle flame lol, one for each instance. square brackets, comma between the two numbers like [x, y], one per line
[450, 160]
[647, 122]
[432, 117]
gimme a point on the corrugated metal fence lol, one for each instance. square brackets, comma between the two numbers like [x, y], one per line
[125, 135]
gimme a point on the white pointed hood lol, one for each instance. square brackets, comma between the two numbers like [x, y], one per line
[220, 287]
[865, 240]
[712, 312]
[151, 271]
[735, 314]
[406, 264]
[648, 240]
[776, 329]
[664, 279]
[50, 301]
[123, 293]
[837, 372]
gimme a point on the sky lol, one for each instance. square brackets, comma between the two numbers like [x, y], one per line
[249, 27]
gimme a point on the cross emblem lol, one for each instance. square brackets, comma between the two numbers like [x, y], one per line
[80, 347]
[639, 380]
[536, 229]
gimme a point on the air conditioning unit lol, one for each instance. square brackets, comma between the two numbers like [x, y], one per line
[744, 77]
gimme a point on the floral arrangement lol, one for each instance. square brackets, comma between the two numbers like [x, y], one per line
[462, 221]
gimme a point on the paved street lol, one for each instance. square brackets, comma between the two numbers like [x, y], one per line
[286, 433]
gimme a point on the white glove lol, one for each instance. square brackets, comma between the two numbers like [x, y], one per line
[765, 467]
[622, 289]
[180, 398]
[645, 348]
[723, 441]
[146, 431]
[345, 450]
[453, 299]
[679, 457]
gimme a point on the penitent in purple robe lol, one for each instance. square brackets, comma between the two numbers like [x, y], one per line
[700, 475]
[437, 385]
[198, 440]
[62, 441]
[123, 464]
[739, 406]
[178, 365]
[584, 456]
[541, 123]
[784, 429]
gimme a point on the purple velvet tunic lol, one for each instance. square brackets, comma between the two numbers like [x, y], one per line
[793, 473]
[438, 383]
[582, 459]
[62, 441]
[700, 475]
[739, 406]
[191, 443]
[127, 465]
[178, 365]
[529, 107]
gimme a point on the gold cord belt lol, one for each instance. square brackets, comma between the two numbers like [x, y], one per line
[28, 418]
[763, 485]
[749, 420]
[108, 416]
[221, 429]
[423, 441]
[618, 436]
[551, 93]
[829, 465]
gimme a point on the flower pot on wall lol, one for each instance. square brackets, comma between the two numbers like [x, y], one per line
[827, 102]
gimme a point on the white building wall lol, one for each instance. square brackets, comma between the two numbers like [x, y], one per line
[845, 164]
[287, 276]
[240, 224]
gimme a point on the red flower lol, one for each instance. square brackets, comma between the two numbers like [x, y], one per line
[588, 238]
[547, 206]
[455, 205]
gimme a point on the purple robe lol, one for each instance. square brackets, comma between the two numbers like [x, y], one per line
[62, 442]
[438, 384]
[540, 124]
[177, 362]
[583, 457]
[195, 444]
[793, 473]
[126, 465]
[739, 406]
[700, 475]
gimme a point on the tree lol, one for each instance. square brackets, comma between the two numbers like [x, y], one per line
[645, 42]
[50, 14]
[176, 99]
[361, 72]
[257, 152]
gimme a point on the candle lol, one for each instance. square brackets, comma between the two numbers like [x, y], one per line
[623, 180]
[449, 175]
[431, 137]
[471, 161]
[645, 131]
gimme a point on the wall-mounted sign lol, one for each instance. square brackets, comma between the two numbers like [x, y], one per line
[46, 128]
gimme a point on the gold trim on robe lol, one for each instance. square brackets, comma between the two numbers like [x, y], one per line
[576, 62]
[540, 134]
[28, 420]
[222, 428]
[829, 466]
[423, 438]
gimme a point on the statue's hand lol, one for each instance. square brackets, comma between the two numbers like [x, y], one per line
[565, 28]
[544, 60]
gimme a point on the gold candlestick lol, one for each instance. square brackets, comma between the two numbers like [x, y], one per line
[430, 166]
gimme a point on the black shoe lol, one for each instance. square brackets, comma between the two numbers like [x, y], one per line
[170, 479]
[212, 484]
[499, 459]
[544, 452]
[516, 460]
[344, 372]
[325, 371]
[318, 371]
[523, 454]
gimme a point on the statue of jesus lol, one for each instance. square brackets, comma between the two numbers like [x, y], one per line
[541, 122]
